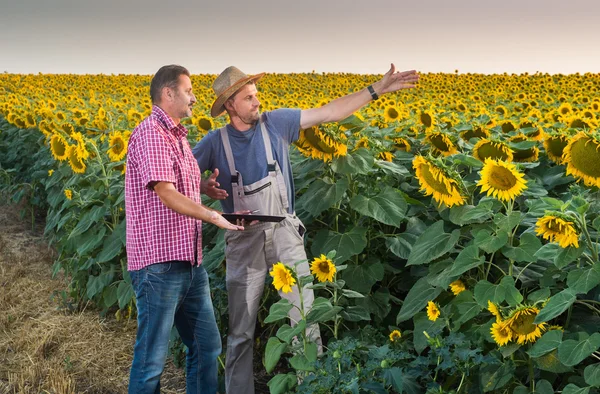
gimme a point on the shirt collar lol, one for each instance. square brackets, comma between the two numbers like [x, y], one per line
[178, 130]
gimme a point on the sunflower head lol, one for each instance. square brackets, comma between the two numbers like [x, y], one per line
[555, 144]
[501, 180]
[490, 149]
[319, 144]
[395, 335]
[433, 311]
[582, 155]
[477, 132]
[75, 161]
[390, 113]
[494, 310]
[520, 323]
[58, 147]
[68, 194]
[323, 268]
[457, 287]
[557, 227]
[283, 279]
[117, 146]
[501, 334]
[441, 144]
[436, 182]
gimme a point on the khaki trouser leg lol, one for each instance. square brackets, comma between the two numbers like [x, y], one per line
[246, 270]
[287, 246]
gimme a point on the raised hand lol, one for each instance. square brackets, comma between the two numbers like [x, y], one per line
[210, 187]
[395, 80]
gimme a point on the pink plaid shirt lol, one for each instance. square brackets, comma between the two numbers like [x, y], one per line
[159, 151]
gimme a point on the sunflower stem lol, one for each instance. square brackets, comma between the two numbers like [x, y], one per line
[588, 239]
[462, 379]
[531, 375]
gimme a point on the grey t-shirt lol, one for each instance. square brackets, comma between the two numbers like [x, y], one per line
[283, 126]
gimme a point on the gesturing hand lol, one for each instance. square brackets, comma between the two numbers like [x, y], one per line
[210, 187]
[393, 81]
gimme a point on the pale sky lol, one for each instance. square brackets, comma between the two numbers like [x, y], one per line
[139, 36]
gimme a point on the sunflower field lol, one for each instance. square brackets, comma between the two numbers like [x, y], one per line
[453, 229]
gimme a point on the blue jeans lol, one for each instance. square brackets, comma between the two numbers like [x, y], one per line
[167, 293]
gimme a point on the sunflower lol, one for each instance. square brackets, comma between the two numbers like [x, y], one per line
[282, 278]
[507, 126]
[391, 114]
[501, 180]
[427, 119]
[554, 145]
[582, 156]
[50, 172]
[68, 194]
[205, 123]
[117, 146]
[476, 132]
[521, 326]
[395, 335]
[323, 268]
[501, 110]
[489, 149]
[75, 161]
[524, 155]
[435, 181]
[457, 287]
[494, 310]
[320, 145]
[401, 144]
[579, 122]
[58, 147]
[501, 333]
[30, 120]
[441, 143]
[81, 149]
[433, 312]
[387, 156]
[554, 228]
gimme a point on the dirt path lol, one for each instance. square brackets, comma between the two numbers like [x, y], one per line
[43, 347]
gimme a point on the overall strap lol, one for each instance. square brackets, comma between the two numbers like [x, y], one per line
[268, 149]
[228, 154]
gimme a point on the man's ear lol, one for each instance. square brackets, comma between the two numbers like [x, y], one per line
[167, 93]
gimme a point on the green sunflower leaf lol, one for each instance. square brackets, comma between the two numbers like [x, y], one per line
[359, 162]
[571, 352]
[416, 299]
[387, 207]
[321, 196]
[557, 304]
[346, 244]
[433, 243]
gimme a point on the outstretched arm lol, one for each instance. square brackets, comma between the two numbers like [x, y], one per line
[343, 107]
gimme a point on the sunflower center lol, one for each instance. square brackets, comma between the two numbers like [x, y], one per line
[585, 157]
[440, 142]
[502, 178]
[324, 267]
[556, 145]
[392, 113]
[432, 182]
[523, 324]
[426, 120]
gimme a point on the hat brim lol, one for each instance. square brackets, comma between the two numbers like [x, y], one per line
[218, 106]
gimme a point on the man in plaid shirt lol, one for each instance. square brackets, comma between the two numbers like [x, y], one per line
[164, 241]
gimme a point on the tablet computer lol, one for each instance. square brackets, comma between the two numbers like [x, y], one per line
[234, 217]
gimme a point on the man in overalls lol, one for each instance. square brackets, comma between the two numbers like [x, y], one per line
[250, 161]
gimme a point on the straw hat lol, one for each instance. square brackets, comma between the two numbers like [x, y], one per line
[226, 84]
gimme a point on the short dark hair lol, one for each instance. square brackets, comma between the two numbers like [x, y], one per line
[166, 76]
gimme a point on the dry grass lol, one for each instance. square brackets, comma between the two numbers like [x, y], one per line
[43, 348]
